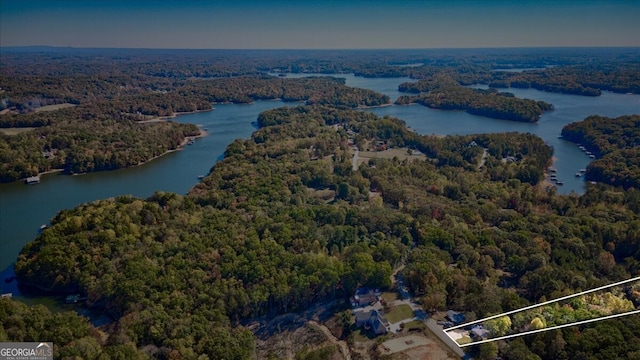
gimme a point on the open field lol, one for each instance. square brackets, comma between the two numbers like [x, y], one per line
[399, 313]
[389, 297]
[53, 107]
[15, 131]
[414, 325]
[400, 153]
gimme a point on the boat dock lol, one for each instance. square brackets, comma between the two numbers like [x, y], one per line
[32, 180]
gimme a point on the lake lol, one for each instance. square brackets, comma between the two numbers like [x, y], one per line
[23, 208]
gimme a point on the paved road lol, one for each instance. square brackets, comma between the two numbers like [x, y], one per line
[354, 161]
[436, 329]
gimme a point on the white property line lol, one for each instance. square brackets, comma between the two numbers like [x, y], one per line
[547, 329]
[541, 304]
[452, 339]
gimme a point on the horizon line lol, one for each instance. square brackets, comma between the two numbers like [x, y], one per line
[319, 49]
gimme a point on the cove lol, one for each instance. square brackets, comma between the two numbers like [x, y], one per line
[23, 208]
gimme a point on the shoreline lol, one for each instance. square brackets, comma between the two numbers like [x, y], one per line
[172, 116]
[374, 106]
[52, 171]
[184, 142]
[40, 174]
[181, 146]
[546, 183]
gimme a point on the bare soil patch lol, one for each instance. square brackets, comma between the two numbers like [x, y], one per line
[428, 352]
[403, 343]
[414, 347]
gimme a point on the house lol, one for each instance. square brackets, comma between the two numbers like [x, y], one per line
[372, 320]
[362, 317]
[478, 333]
[455, 317]
[381, 146]
[364, 297]
[379, 327]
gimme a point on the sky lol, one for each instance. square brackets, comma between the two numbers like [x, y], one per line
[319, 24]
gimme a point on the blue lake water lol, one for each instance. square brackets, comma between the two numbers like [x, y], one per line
[24, 208]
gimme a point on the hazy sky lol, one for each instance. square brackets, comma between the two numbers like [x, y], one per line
[316, 24]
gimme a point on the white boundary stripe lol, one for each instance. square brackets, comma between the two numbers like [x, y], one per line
[551, 328]
[449, 336]
[542, 304]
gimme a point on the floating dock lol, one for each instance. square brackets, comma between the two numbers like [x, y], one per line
[32, 180]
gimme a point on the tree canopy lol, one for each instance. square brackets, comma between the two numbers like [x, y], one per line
[284, 222]
[615, 142]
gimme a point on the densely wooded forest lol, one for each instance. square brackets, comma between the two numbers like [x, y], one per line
[442, 92]
[107, 129]
[285, 222]
[616, 142]
[271, 231]
[120, 86]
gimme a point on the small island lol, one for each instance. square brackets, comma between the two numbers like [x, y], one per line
[446, 94]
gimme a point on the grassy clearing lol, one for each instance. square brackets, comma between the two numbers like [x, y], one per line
[415, 324]
[389, 297]
[324, 194]
[360, 335]
[399, 313]
[15, 131]
[53, 107]
[400, 153]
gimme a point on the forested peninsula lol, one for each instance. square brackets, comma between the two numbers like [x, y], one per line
[114, 124]
[271, 230]
[444, 93]
[615, 142]
[61, 94]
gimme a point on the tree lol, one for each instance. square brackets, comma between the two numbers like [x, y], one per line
[487, 351]
[435, 299]
[499, 326]
[537, 324]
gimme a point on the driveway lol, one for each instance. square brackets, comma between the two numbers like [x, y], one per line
[354, 161]
[436, 329]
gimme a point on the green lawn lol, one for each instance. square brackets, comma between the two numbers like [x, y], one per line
[415, 324]
[53, 107]
[16, 130]
[389, 297]
[399, 313]
[360, 335]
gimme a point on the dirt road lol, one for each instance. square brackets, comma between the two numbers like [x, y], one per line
[344, 348]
